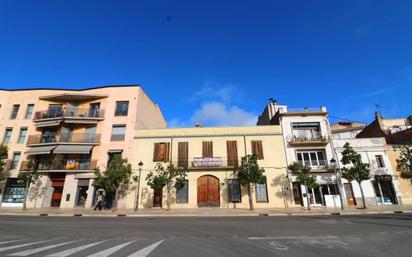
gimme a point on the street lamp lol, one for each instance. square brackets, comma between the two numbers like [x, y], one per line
[334, 165]
[140, 166]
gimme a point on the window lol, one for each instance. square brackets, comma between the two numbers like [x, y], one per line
[29, 111]
[22, 135]
[113, 154]
[7, 135]
[306, 130]
[16, 158]
[231, 148]
[234, 191]
[118, 132]
[14, 111]
[207, 149]
[161, 152]
[183, 154]
[121, 108]
[379, 161]
[55, 110]
[257, 149]
[261, 193]
[182, 194]
[312, 159]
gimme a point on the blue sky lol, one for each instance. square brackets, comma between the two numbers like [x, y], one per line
[218, 62]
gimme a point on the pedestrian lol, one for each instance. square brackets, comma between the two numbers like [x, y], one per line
[99, 204]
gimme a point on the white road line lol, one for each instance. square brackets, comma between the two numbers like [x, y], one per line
[74, 250]
[293, 238]
[146, 251]
[8, 242]
[40, 249]
[109, 251]
[2, 249]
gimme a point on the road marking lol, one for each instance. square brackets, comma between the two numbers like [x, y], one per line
[74, 250]
[293, 238]
[109, 251]
[8, 242]
[40, 249]
[146, 251]
[2, 249]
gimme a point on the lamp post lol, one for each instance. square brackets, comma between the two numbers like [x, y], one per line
[338, 180]
[140, 166]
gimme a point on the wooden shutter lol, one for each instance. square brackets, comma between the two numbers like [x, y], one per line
[232, 159]
[207, 150]
[183, 154]
[161, 152]
[257, 149]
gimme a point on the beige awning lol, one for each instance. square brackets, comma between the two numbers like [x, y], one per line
[80, 149]
[51, 123]
[40, 150]
[80, 121]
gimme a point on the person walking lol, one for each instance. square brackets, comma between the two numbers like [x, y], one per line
[99, 204]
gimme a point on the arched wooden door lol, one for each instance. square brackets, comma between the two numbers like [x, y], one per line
[208, 191]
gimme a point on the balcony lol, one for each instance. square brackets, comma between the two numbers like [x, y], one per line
[314, 138]
[64, 165]
[317, 166]
[201, 163]
[69, 115]
[75, 138]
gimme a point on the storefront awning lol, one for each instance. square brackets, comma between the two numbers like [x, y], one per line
[66, 149]
[47, 124]
[40, 150]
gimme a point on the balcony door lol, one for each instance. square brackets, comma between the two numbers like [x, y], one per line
[306, 131]
[94, 110]
[55, 110]
[72, 108]
[313, 159]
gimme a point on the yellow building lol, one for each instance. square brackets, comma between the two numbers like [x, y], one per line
[69, 133]
[211, 154]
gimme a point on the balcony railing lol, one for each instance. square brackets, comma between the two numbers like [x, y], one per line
[306, 110]
[69, 113]
[76, 138]
[64, 164]
[205, 162]
[314, 138]
[320, 165]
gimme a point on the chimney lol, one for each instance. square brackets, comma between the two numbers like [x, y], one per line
[198, 125]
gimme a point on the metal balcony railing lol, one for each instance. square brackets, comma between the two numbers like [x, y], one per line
[303, 110]
[79, 138]
[316, 165]
[314, 137]
[64, 164]
[69, 113]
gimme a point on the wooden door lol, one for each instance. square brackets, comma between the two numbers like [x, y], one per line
[350, 199]
[208, 192]
[157, 198]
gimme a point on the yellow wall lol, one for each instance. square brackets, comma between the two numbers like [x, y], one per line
[404, 184]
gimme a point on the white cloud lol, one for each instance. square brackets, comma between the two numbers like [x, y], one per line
[209, 92]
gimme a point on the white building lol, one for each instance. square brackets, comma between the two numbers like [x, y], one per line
[307, 140]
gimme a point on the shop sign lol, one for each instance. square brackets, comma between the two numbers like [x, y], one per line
[207, 162]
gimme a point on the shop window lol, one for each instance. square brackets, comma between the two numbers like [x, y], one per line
[7, 135]
[29, 111]
[122, 108]
[22, 136]
[15, 111]
[234, 191]
[14, 192]
[118, 132]
[262, 192]
[182, 194]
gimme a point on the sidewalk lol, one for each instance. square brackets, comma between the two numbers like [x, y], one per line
[203, 212]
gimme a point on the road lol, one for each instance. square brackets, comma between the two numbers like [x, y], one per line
[367, 235]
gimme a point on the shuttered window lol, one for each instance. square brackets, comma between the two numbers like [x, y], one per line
[232, 159]
[182, 194]
[234, 191]
[207, 150]
[261, 192]
[257, 149]
[183, 154]
[161, 152]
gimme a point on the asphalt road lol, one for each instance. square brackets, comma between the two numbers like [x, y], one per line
[366, 235]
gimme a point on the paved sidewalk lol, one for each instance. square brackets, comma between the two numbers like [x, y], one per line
[204, 212]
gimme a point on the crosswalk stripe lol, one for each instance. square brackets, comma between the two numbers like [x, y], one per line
[109, 251]
[146, 251]
[8, 242]
[74, 250]
[40, 249]
[2, 249]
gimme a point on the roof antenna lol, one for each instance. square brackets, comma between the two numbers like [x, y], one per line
[378, 110]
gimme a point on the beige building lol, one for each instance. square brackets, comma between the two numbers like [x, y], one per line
[69, 133]
[211, 154]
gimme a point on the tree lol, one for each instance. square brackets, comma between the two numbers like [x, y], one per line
[3, 156]
[169, 177]
[304, 177]
[249, 173]
[404, 162]
[116, 175]
[358, 171]
[27, 177]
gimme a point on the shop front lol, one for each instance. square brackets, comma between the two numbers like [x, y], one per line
[14, 194]
[384, 190]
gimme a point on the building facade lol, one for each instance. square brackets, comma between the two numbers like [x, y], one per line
[67, 134]
[307, 140]
[211, 155]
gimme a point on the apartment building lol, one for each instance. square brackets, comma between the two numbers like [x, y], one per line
[307, 139]
[395, 132]
[69, 133]
[211, 154]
